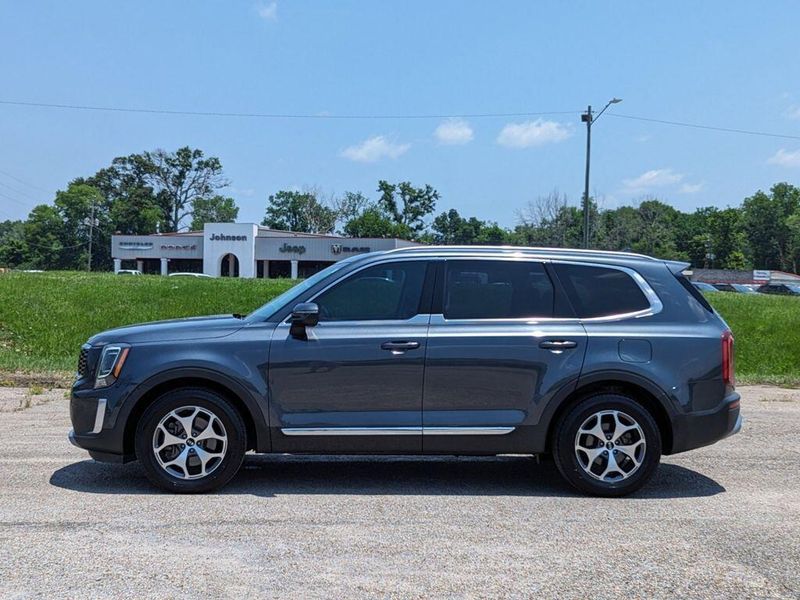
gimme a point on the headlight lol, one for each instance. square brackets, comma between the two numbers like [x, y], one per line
[111, 362]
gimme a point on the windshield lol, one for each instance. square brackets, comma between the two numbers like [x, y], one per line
[277, 302]
[794, 288]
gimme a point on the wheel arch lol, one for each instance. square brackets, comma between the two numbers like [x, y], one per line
[643, 391]
[144, 395]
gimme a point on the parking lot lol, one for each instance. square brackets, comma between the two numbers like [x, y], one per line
[722, 521]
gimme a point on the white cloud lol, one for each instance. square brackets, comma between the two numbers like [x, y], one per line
[655, 178]
[793, 112]
[268, 12]
[454, 132]
[246, 192]
[532, 133]
[374, 149]
[691, 188]
[784, 158]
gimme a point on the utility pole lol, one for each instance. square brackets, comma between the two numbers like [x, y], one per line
[92, 224]
[589, 119]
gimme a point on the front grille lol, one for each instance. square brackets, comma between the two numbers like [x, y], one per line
[83, 360]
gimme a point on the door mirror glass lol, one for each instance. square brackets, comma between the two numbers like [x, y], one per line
[305, 314]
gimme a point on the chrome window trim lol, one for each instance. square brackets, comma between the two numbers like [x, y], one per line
[99, 416]
[656, 306]
[394, 259]
[350, 431]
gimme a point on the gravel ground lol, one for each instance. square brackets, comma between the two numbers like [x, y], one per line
[718, 522]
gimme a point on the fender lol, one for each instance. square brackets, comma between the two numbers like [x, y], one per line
[257, 411]
[587, 380]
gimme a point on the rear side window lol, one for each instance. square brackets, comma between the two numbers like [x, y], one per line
[694, 292]
[600, 291]
[387, 291]
[495, 289]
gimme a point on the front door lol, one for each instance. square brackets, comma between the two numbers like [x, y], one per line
[355, 384]
[495, 355]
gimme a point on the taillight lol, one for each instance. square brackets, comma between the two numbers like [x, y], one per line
[728, 376]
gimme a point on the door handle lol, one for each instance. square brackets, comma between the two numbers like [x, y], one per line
[399, 346]
[557, 344]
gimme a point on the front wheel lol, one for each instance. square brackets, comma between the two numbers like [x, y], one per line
[190, 440]
[607, 445]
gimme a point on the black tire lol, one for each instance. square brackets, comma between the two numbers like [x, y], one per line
[566, 455]
[220, 471]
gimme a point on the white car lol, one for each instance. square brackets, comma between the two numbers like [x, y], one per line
[129, 272]
[190, 275]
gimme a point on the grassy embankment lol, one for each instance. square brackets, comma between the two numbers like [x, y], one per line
[45, 317]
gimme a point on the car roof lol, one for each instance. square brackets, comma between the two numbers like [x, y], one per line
[573, 254]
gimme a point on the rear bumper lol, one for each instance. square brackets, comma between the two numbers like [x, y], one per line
[695, 430]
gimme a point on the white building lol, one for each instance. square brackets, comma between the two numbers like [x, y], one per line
[239, 250]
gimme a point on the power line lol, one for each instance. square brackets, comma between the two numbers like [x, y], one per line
[16, 191]
[320, 116]
[709, 127]
[18, 201]
[23, 182]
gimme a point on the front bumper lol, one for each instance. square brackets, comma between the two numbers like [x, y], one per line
[94, 427]
[98, 455]
[695, 430]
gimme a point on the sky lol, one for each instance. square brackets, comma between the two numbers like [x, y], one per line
[721, 64]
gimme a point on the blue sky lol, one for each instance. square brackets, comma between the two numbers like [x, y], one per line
[731, 64]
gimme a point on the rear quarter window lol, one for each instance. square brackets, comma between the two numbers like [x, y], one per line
[600, 291]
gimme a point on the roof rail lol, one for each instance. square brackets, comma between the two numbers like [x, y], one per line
[525, 249]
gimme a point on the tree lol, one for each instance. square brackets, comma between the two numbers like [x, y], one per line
[130, 201]
[77, 206]
[177, 179]
[44, 243]
[658, 221]
[374, 223]
[407, 205]
[299, 211]
[451, 228]
[765, 224]
[349, 206]
[549, 221]
[12, 243]
[217, 209]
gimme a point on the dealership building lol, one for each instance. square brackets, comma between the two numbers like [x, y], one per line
[239, 250]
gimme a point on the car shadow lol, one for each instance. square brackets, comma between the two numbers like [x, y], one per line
[274, 475]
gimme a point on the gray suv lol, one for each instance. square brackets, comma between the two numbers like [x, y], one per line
[605, 360]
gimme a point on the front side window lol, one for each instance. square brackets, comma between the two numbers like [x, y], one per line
[387, 291]
[495, 289]
[600, 291]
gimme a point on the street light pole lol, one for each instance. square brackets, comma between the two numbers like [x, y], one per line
[589, 119]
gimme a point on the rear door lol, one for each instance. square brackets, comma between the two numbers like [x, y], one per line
[501, 342]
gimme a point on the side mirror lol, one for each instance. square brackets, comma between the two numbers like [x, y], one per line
[305, 314]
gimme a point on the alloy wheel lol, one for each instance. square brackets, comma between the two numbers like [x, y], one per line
[190, 442]
[610, 446]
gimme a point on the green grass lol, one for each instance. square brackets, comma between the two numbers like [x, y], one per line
[45, 317]
[766, 330]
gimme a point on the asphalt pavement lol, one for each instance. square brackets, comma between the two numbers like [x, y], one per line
[719, 522]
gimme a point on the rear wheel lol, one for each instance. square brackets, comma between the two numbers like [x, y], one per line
[191, 440]
[607, 445]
